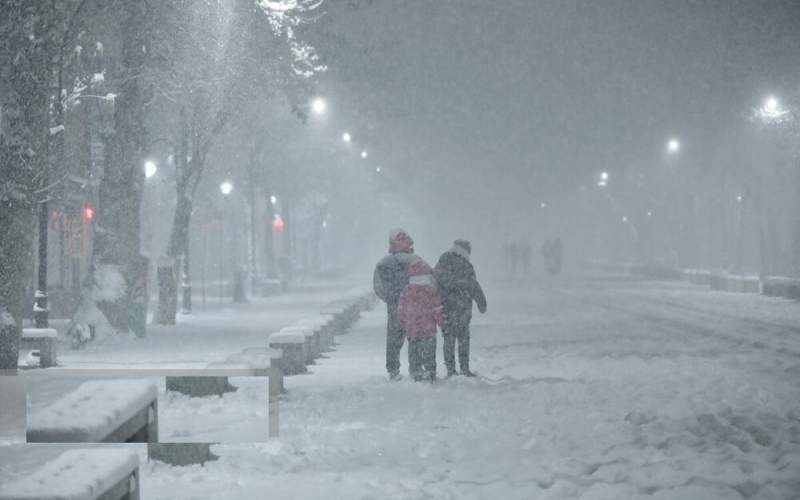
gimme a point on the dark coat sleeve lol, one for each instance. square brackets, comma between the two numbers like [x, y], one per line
[377, 283]
[477, 295]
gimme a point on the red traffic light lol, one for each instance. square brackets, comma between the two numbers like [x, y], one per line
[88, 212]
[278, 224]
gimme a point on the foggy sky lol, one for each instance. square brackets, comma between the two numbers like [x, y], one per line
[478, 110]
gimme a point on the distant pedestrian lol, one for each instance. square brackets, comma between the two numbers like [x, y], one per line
[420, 312]
[525, 255]
[553, 254]
[285, 270]
[389, 281]
[514, 252]
[458, 287]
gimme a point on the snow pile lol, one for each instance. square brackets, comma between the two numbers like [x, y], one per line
[74, 475]
[109, 284]
[90, 412]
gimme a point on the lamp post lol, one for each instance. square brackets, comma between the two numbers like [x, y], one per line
[226, 187]
[40, 307]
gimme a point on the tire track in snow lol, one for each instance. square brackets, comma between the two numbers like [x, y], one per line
[672, 323]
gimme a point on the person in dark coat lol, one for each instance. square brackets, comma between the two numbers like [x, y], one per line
[389, 280]
[458, 287]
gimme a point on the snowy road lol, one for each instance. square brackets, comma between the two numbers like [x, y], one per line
[592, 387]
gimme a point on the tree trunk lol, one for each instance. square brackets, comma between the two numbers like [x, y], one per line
[25, 56]
[252, 254]
[117, 230]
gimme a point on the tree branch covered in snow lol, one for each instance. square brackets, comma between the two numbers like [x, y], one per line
[284, 17]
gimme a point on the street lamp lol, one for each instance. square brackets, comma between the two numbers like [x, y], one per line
[378, 169]
[673, 146]
[771, 110]
[225, 187]
[273, 199]
[364, 154]
[603, 179]
[150, 169]
[346, 137]
[318, 105]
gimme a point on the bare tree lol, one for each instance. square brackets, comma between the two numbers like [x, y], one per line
[26, 49]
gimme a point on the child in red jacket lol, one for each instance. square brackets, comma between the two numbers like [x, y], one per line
[420, 311]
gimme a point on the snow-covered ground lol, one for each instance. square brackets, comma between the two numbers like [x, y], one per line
[12, 410]
[592, 387]
[207, 336]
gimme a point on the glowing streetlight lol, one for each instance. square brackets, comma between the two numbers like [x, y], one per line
[542, 205]
[226, 187]
[603, 176]
[673, 146]
[378, 169]
[364, 154]
[771, 105]
[624, 219]
[273, 199]
[771, 110]
[649, 213]
[318, 105]
[739, 198]
[150, 169]
[346, 137]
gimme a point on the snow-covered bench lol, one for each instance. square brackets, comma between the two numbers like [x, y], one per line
[321, 326]
[337, 314]
[293, 346]
[180, 453]
[251, 362]
[43, 339]
[779, 286]
[99, 411]
[697, 276]
[744, 284]
[87, 474]
[313, 345]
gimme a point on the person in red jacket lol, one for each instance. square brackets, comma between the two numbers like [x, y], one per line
[420, 311]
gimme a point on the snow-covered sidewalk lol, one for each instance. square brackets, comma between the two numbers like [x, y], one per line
[207, 336]
[592, 387]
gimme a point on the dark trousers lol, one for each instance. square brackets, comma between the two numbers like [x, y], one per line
[395, 338]
[422, 358]
[456, 333]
